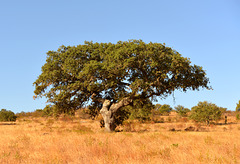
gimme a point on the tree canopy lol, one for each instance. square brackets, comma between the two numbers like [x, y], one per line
[206, 112]
[181, 110]
[7, 115]
[74, 76]
[164, 109]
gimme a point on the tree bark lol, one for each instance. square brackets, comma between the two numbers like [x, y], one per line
[108, 111]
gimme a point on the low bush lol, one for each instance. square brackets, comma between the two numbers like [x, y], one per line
[164, 109]
[237, 116]
[205, 112]
[7, 115]
[182, 111]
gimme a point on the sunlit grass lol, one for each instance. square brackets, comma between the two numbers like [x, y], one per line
[46, 140]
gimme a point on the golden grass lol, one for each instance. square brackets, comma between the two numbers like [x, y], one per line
[83, 141]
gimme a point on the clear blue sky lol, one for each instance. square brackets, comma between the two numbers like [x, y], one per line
[206, 31]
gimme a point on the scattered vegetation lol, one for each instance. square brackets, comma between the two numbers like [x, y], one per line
[77, 139]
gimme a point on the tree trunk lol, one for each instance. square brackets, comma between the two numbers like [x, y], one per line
[108, 111]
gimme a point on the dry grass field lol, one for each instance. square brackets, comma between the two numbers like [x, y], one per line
[63, 141]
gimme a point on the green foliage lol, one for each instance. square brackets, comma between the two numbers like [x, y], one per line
[49, 110]
[181, 110]
[87, 74]
[38, 113]
[55, 111]
[7, 115]
[121, 115]
[93, 109]
[140, 110]
[238, 106]
[223, 110]
[164, 109]
[205, 112]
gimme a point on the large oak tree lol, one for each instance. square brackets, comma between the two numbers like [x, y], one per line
[111, 76]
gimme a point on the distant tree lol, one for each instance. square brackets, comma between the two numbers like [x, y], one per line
[181, 110]
[164, 109]
[238, 106]
[111, 76]
[21, 114]
[205, 112]
[7, 115]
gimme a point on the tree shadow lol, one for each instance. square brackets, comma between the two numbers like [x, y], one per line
[229, 123]
[7, 123]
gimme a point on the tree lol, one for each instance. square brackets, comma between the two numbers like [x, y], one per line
[205, 112]
[7, 115]
[164, 109]
[110, 76]
[181, 110]
[238, 106]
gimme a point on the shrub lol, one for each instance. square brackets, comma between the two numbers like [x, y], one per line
[181, 110]
[237, 116]
[7, 115]
[38, 113]
[238, 106]
[164, 109]
[205, 112]
[55, 111]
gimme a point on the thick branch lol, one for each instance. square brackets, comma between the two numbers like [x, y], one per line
[124, 102]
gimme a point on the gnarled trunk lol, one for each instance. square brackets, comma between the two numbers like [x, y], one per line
[108, 111]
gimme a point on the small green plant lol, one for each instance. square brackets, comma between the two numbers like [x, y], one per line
[7, 115]
[175, 145]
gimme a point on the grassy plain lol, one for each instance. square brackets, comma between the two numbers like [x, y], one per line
[65, 141]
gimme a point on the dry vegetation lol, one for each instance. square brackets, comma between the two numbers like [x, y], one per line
[66, 140]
